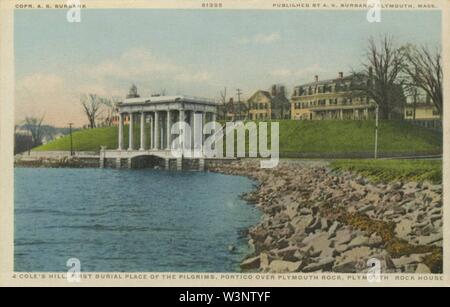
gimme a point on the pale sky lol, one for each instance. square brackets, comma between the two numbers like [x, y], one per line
[192, 52]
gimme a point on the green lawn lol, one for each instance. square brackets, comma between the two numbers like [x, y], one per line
[84, 140]
[355, 136]
[393, 170]
[297, 137]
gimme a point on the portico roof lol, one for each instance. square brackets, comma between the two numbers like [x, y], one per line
[167, 99]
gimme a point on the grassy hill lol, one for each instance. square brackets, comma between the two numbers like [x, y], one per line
[297, 137]
[393, 170]
[356, 136]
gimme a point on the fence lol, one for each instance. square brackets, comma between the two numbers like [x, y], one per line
[434, 124]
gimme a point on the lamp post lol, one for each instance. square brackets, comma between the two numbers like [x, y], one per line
[71, 139]
[377, 109]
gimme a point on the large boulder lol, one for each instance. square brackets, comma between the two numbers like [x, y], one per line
[404, 261]
[354, 260]
[404, 229]
[422, 269]
[319, 245]
[281, 266]
[359, 241]
[301, 222]
[251, 263]
[325, 264]
[343, 236]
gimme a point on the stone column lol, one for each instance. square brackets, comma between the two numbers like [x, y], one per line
[181, 119]
[203, 127]
[169, 126]
[213, 119]
[161, 133]
[131, 141]
[156, 142]
[151, 132]
[142, 131]
[120, 131]
[192, 124]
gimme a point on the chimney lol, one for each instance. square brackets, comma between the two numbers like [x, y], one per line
[282, 91]
[316, 77]
[341, 75]
[274, 90]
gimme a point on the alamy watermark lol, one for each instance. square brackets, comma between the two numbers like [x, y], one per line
[232, 140]
[374, 272]
[374, 13]
[74, 13]
[74, 272]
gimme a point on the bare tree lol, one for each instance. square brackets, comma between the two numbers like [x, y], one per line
[92, 105]
[425, 71]
[223, 96]
[411, 91]
[381, 78]
[223, 107]
[110, 109]
[34, 126]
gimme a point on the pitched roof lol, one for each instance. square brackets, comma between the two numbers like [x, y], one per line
[167, 99]
[328, 81]
[265, 93]
[276, 100]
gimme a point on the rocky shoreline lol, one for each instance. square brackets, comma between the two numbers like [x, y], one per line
[318, 220]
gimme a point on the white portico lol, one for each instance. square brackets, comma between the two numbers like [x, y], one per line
[155, 117]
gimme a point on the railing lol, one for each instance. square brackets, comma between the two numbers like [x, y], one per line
[434, 124]
[57, 154]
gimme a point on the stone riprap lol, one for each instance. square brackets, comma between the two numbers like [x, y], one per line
[318, 220]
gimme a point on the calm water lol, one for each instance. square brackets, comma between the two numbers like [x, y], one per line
[139, 220]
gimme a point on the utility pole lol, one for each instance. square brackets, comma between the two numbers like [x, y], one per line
[71, 139]
[239, 93]
[30, 139]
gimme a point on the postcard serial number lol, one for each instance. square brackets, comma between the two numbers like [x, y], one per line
[212, 5]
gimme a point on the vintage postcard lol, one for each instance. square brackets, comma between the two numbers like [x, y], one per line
[224, 143]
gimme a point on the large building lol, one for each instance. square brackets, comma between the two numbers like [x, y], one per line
[419, 106]
[330, 99]
[268, 105]
[161, 112]
[232, 111]
[262, 105]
